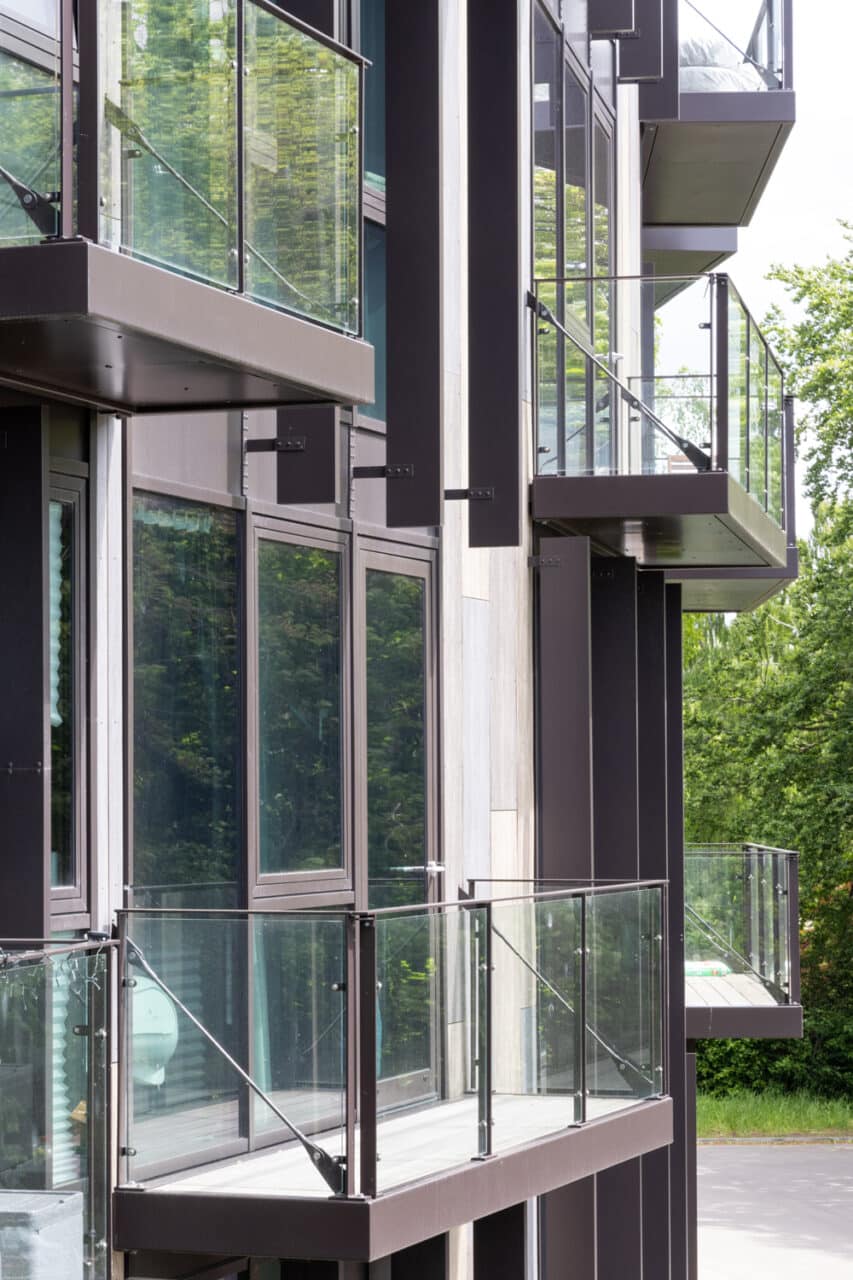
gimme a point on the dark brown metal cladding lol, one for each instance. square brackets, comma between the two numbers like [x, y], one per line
[748, 1022]
[676, 1077]
[659, 99]
[413, 246]
[614, 718]
[495, 331]
[620, 1247]
[309, 474]
[500, 1247]
[24, 630]
[564, 708]
[641, 59]
[567, 1231]
[610, 19]
[427, 1260]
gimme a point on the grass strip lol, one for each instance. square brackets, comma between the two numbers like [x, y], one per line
[773, 1115]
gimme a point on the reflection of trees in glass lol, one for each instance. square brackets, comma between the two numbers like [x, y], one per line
[299, 705]
[186, 696]
[30, 149]
[396, 759]
[170, 157]
[61, 693]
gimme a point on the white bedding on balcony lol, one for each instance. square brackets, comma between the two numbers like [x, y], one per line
[710, 64]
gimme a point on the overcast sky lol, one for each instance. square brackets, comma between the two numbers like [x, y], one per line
[812, 185]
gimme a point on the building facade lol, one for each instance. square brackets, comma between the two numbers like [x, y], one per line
[371, 409]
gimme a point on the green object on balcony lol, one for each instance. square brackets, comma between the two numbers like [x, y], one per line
[706, 969]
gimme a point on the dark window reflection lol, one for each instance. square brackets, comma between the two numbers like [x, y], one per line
[62, 694]
[396, 759]
[186, 703]
[373, 47]
[299, 701]
[375, 292]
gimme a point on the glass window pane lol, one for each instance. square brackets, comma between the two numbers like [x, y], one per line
[576, 242]
[187, 752]
[39, 13]
[29, 150]
[169, 145]
[757, 415]
[604, 417]
[373, 47]
[299, 707]
[396, 755]
[375, 325]
[546, 146]
[62, 580]
[302, 172]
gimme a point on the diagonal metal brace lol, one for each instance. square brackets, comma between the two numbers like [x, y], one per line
[332, 1169]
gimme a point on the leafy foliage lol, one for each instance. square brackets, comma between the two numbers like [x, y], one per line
[816, 354]
[768, 711]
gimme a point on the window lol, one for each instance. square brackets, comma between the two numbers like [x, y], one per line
[301, 716]
[67, 693]
[375, 330]
[373, 47]
[29, 152]
[187, 757]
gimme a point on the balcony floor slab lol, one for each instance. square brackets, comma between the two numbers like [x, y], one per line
[269, 1205]
[664, 521]
[82, 324]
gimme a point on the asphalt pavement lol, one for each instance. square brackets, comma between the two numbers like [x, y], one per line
[776, 1212]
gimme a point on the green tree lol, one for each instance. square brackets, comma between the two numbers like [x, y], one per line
[817, 355]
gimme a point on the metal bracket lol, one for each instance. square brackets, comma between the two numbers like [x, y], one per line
[543, 562]
[11, 768]
[482, 493]
[278, 444]
[393, 471]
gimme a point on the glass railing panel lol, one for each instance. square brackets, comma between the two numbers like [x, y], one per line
[757, 416]
[537, 1017]
[302, 168]
[624, 1047]
[429, 1022]
[169, 164]
[775, 437]
[738, 398]
[31, 141]
[299, 969]
[737, 927]
[54, 1138]
[212, 997]
[728, 46]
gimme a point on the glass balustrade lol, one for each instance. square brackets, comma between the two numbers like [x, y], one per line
[217, 141]
[729, 46]
[740, 902]
[690, 385]
[315, 1053]
[54, 1116]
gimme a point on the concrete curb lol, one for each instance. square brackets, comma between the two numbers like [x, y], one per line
[790, 1140]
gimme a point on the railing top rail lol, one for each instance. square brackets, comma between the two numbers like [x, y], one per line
[650, 279]
[745, 847]
[15, 950]
[582, 888]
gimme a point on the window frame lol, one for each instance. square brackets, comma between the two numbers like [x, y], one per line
[295, 888]
[373, 551]
[69, 904]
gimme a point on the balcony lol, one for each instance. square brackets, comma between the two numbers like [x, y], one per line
[736, 108]
[741, 942]
[54, 1115]
[336, 1084]
[663, 432]
[180, 225]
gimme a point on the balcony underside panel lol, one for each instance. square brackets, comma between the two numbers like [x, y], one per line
[711, 166]
[702, 519]
[746, 1022]
[741, 590]
[254, 1222]
[89, 326]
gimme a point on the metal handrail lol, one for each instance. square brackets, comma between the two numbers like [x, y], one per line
[700, 460]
